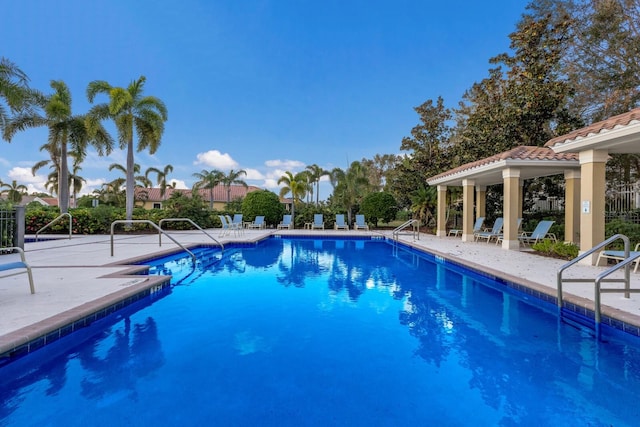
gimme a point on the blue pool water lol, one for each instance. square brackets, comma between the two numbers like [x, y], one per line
[306, 332]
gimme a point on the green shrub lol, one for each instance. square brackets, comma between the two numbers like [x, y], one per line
[561, 250]
[618, 226]
[379, 206]
[265, 203]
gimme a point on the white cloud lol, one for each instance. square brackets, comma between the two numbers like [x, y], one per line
[4, 162]
[215, 159]
[271, 183]
[253, 174]
[180, 184]
[24, 175]
[285, 164]
[91, 184]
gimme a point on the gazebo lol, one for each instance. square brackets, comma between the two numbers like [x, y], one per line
[509, 168]
[580, 155]
[593, 144]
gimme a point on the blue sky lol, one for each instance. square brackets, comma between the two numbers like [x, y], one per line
[261, 85]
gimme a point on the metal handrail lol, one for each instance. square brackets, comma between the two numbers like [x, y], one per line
[398, 229]
[602, 276]
[192, 223]
[56, 220]
[146, 221]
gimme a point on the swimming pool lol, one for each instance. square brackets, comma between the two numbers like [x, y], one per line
[326, 332]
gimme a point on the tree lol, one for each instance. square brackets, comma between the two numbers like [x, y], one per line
[350, 186]
[294, 185]
[524, 103]
[132, 114]
[262, 202]
[207, 180]
[315, 174]
[424, 201]
[233, 177]
[15, 94]
[139, 180]
[111, 192]
[379, 168]
[64, 128]
[14, 191]
[379, 206]
[161, 177]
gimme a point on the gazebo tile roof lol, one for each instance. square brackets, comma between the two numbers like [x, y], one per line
[620, 120]
[522, 152]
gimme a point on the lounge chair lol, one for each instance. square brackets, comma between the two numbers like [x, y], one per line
[361, 224]
[318, 222]
[494, 233]
[12, 265]
[520, 234]
[541, 232]
[257, 223]
[619, 256]
[235, 226]
[340, 224]
[286, 222]
[237, 221]
[477, 227]
[226, 229]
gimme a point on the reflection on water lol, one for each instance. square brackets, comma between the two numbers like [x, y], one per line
[523, 363]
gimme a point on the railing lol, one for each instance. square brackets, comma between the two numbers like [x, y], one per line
[602, 277]
[415, 230]
[151, 223]
[56, 220]
[190, 222]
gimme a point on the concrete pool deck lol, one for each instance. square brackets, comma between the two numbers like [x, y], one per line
[76, 276]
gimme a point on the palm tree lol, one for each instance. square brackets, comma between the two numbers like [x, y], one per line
[315, 174]
[424, 201]
[132, 114]
[233, 177]
[14, 191]
[64, 129]
[111, 192]
[297, 186]
[350, 186]
[15, 94]
[161, 177]
[208, 180]
[138, 180]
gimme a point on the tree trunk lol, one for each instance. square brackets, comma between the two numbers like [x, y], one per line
[130, 180]
[63, 178]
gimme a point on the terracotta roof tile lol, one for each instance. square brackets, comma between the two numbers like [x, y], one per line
[522, 152]
[595, 128]
[219, 193]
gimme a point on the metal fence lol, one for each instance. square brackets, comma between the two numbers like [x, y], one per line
[12, 227]
[622, 198]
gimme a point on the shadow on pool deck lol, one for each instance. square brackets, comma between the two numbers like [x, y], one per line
[75, 277]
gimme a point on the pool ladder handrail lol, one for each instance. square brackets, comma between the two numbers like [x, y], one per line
[415, 230]
[56, 220]
[602, 277]
[192, 223]
[153, 224]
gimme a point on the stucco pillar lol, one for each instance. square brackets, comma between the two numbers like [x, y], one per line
[467, 209]
[441, 223]
[572, 206]
[481, 201]
[520, 198]
[592, 188]
[512, 187]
